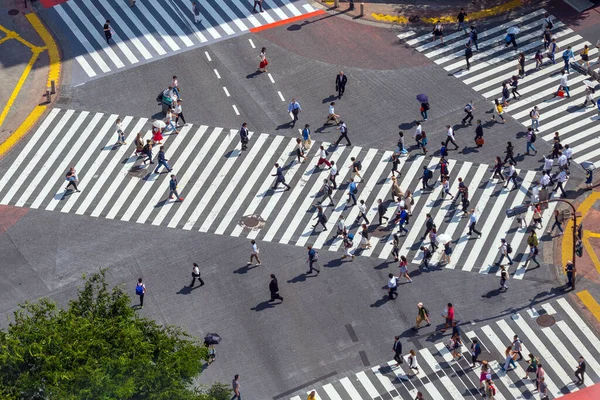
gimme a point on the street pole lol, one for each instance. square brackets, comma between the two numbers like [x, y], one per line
[574, 256]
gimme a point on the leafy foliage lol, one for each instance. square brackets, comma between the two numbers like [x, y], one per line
[98, 348]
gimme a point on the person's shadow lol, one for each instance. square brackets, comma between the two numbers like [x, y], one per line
[253, 75]
[245, 269]
[188, 289]
[264, 305]
[384, 299]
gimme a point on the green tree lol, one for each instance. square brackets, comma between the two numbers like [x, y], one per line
[98, 348]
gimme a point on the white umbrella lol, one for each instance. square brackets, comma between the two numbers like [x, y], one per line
[589, 83]
[513, 30]
[588, 165]
[444, 238]
[159, 124]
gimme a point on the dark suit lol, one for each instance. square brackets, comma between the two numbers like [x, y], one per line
[244, 138]
[274, 289]
[340, 84]
[398, 352]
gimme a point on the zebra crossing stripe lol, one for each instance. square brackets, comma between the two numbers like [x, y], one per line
[215, 15]
[140, 26]
[172, 24]
[157, 25]
[233, 18]
[234, 181]
[433, 364]
[64, 164]
[562, 350]
[256, 174]
[275, 8]
[331, 392]
[187, 21]
[354, 395]
[50, 159]
[24, 173]
[569, 333]
[366, 383]
[102, 178]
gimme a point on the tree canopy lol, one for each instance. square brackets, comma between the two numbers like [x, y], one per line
[98, 348]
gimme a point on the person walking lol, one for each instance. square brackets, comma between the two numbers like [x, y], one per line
[447, 251]
[503, 278]
[424, 108]
[499, 110]
[520, 71]
[539, 59]
[497, 170]
[162, 160]
[564, 85]
[511, 175]
[196, 275]
[490, 390]
[322, 158]
[300, 151]
[312, 395]
[505, 251]
[178, 110]
[552, 49]
[274, 289]
[426, 257]
[254, 253]
[510, 153]
[505, 94]
[585, 57]
[333, 173]
[422, 316]
[438, 32]
[326, 192]
[473, 36]
[540, 375]
[511, 39]
[561, 180]
[313, 256]
[343, 134]
[306, 140]
[244, 136]
[340, 83]
[362, 212]
[475, 352]
[332, 116]
[196, 12]
[449, 316]
[547, 38]
[509, 359]
[235, 385]
[530, 139]
[563, 162]
[517, 347]
[472, 222]
[119, 132]
[461, 20]
[356, 166]
[589, 96]
[468, 54]
[532, 367]
[450, 133]
[352, 191]
[173, 188]
[446, 189]
[262, 66]
[397, 348]
[427, 175]
[580, 371]
[107, 31]
[395, 159]
[140, 290]
[259, 4]
[469, 111]
[567, 56]
[381, 210]
[295, 109]
[365, 241]
[392, 286]
[280, 178]
[348, 244]
[412, 363]
[558, 220]
[404, 269]
[321, 218]
[147, 150]
[514, 83]
[71, 178]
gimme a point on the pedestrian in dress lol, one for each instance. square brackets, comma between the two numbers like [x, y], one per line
[274, 289]
[139, 144]
[173, 188]
[499, 110]
[409, 201]
[412, 363]
[404, 269]
[196, 275]
[313, 256]
[340, 83]
[262, 66]
[306, 139]
[140, 290]
[585, 57]
[280, 178]
[254, 252]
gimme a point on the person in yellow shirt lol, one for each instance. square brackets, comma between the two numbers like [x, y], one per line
[499, 111]
[312, 395]
[585, 58]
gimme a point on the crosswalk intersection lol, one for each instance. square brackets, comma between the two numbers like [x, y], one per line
[557, 348]
[156, 28]
[494, 64]
[224, 187]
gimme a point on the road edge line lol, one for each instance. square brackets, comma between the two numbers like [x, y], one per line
[287, 21]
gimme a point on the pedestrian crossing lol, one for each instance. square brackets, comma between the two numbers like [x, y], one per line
[154, 29]
[229, 192]
[441, 376]
[494, 64]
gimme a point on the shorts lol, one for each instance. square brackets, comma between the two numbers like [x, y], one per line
[585, 57]
[449, 321]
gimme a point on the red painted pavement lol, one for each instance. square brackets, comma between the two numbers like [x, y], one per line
[287, 21]
[590, 393]
[9, 216]
[51, 3]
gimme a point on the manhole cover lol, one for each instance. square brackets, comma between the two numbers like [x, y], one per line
[252, 222]
[545, 320]
[413, 18]
[137, 171]
[13, 12]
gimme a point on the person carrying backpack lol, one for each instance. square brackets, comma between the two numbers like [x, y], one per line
[469, 111]
[140, 290]
[356, 167]
[505, 250]
[348, 244]
[423, 315]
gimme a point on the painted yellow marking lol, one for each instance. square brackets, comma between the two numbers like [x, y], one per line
[22, 129]
[591, 304]
[53, 54]
[567, 238]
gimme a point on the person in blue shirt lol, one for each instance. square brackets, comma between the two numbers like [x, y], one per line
[475, 352]
[352, 190]
[403, 220]
[567, 55]
[553, 47]
[173, 188]
[589, 176]
[427, 175]
[162, 161]
[312, 259]
[295, 109]
[306, 141]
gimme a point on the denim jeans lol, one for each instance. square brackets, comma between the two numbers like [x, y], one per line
[164, 164]
[510, 261]
[535, 124]
[424, 114]
[530, 146]
[567, 67]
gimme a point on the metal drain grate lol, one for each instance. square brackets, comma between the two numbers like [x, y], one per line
[138, 171]
[545, 320]
[13, 12]
[252, 222]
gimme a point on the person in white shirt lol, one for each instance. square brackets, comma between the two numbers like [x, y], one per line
[568, 152]
[119, 131]
[534, 114]
[472, 221]
[562, 179]
[545, 181]
[564, 84]
[450, 137]
[412, 363]
[562, 161]
[332, 115]
[196, 275]
[323, 158]
[179, 113]
[446, 188]
[417, 133]
[341, 227]
[333, 171]
[548, 164]
[254, 253]
[392, 286]
[362, 212]
[512, 174]
[175, 85]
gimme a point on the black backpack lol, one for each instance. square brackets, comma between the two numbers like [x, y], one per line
[358, 165]
[508, 248]
[474, 34]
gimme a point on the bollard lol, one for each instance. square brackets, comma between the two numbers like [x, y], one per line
[48, 96]
[52, 87]
[350, 5]
[336, 3]
[362, 9]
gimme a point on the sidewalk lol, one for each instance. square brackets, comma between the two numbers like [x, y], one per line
[426, 12]
[29, 61]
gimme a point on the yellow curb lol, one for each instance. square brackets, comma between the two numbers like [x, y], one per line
[53, 54]
[22, 130]
[591, 304]
[567, 238]
[486, 13]
[53, 75]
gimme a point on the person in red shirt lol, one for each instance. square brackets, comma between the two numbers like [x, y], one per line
[449, 316]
